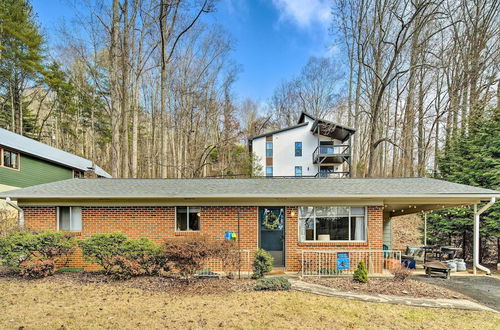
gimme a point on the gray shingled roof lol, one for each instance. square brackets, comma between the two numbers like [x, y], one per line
[258, 187]
[44, 151]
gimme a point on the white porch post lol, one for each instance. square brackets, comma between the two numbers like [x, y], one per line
[425, 228]
[476, 236]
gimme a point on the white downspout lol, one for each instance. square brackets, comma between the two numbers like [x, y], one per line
[20, 210]
[476, 236]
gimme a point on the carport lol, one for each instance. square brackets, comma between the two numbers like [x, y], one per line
[421, 204]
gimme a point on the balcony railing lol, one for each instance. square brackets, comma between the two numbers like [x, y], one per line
[334, 153]
[333, 175]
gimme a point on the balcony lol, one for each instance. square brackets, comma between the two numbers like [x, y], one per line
[331, 154]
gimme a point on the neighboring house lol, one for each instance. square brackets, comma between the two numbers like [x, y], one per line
[25, 162]
[302, 222]
[313, 147]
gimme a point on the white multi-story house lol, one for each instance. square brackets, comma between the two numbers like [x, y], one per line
[313, 147]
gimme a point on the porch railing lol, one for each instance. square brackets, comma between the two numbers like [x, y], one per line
[241, 266]
[332, 150]
[344, 262]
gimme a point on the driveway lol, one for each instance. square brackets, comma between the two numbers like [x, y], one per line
[484, 289]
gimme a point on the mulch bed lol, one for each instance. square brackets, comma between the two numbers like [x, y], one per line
[388, 286]
[171, 285]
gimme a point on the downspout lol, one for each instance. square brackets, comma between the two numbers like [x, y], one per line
[476, 236]
[20, 218]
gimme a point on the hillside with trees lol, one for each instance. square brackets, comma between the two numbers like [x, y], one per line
[145, 88]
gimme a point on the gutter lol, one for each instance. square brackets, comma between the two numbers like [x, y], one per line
[20, 219]
[476, 235]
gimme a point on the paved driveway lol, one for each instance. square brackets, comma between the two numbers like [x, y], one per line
[484, 289]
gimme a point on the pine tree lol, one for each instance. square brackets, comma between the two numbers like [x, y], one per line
[21, 56]
[473, 158]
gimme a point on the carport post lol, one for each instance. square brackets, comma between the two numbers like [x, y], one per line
[476, 236]
[425, 228]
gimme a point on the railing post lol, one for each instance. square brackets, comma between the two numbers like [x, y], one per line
[302, 263]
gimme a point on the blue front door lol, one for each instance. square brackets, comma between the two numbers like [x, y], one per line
[272, 233]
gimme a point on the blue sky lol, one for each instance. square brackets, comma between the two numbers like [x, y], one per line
[273, 38]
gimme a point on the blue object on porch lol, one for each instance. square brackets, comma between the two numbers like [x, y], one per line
[228, 236]
[411, 264]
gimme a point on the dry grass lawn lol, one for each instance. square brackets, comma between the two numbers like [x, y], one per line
[41, 305]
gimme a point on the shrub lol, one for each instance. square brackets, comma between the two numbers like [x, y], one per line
[8, 220]
[189, 254]
[122, 268]
[361, 274]
[273, 284]
[16, 248]
[147, 254]
[37, 268]
[102, 248]
[401, 273]
[262, 263]
[117, 254]
[23, 245]
[54, 244]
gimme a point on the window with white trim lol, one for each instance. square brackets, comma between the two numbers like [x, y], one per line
[10, 159]
[187, 218]
[69, 218]
[332, 223]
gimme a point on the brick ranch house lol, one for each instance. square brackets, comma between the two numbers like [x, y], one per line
[289, 217]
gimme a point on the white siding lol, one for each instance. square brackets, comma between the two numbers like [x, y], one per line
[284, 159]
[387, 232]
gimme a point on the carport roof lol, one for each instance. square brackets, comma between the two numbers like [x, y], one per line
[306, 188]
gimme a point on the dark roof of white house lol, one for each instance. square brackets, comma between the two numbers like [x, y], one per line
[41, 150]
[341, 136]
[249, 188]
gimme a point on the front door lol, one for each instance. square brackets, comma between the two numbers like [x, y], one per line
[272, 233]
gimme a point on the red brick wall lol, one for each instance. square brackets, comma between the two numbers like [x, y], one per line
[158, 223]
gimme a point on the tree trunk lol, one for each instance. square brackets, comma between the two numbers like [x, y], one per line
[114, 85]
[125, 87]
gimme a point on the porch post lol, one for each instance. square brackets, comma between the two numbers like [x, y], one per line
[425, 229]
[475, 249]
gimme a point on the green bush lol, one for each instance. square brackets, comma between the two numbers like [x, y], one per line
[147, 254]
[123, 257]
[23, 245]
[361, 274]
[54, 244]
[102, 248]
[16, 248]
[262, 263]
[273, 284]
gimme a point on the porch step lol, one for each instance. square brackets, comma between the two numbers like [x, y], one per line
[277, 271]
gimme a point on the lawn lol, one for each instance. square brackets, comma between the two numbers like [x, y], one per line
[40, 304]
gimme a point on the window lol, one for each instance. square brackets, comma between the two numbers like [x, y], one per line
[269, 171]
[298, 149]
[69, 218]
[338, 223]
[269, 149]
[10, 159]
[78, 174]
[298, 170]
[187, 218]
